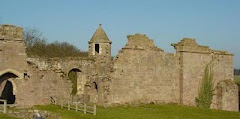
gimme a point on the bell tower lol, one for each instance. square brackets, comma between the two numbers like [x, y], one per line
[100, 45]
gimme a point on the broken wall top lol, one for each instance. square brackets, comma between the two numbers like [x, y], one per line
[140, 41]
[11, 32]
[190, 45]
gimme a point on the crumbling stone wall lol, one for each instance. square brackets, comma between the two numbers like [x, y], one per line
[63, 66]
[223, 73]
[31, 85]
[39, 86]
[12, 49]
[143, 73]
[140, 73]
[93, 71]
[225, 92]
[100, 80]
[193, 60]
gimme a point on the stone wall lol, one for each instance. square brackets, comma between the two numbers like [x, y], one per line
[92, 70]
[62, 67]
[193, 61]
[32, 84]
[225, 96]
[143, 73]
[223, 77]
[140, 73]
[39, 86]
[12, 50]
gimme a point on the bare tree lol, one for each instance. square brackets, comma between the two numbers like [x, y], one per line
[37, 45]
[32, 36]
[34, 41]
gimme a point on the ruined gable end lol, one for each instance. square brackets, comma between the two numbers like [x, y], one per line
[140, 41]
[190, 45]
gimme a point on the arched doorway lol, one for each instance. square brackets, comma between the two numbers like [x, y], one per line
[8, 87]
[75, 75]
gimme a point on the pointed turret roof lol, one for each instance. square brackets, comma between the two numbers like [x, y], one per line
[100, 36]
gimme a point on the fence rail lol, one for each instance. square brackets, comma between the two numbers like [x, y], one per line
[77, 106]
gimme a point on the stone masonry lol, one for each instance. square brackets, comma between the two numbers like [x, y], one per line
[140, 73]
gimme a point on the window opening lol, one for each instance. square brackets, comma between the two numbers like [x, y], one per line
[97, 47]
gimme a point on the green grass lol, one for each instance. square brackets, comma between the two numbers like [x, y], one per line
[145, 112]
[4, 116]
[237, 80]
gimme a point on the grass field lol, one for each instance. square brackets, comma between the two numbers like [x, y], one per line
[3, 116]
[237, 80]
[145, 112]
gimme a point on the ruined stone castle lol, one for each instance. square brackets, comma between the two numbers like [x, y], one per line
[140, 73]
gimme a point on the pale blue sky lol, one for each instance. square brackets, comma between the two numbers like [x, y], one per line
[215, 23]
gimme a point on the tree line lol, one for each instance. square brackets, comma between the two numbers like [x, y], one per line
[237, 72]
[37, 45]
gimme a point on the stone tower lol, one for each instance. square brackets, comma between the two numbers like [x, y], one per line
[12, 49]
[100, 50]
[13, 62]
[100, 45]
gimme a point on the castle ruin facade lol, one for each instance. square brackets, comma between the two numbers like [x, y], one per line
[140, 73]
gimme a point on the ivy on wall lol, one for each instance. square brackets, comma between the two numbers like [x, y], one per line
[205, 93]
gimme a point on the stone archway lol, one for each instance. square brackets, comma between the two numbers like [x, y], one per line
[19, 75]
[76, 76]
[8, 87]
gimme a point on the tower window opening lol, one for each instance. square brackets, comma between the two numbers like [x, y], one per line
[97, 47]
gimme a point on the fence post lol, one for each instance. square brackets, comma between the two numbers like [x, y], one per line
[61, 103]
[68, 104]
[85, 108]
[76, 106]
[55, 101]
[5, 106]
[94, 109]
